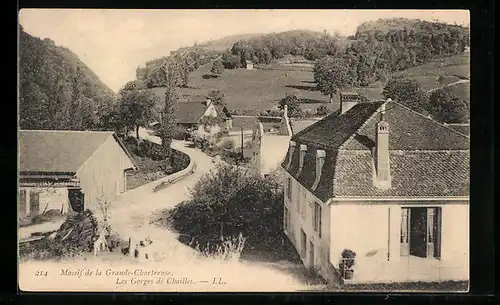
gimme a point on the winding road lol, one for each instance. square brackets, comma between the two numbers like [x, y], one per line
[133, 210]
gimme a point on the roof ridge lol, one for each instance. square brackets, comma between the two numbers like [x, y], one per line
[430, 119]
[311, 126]
[364, 124]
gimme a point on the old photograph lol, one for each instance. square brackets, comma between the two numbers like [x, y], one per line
[243, 150]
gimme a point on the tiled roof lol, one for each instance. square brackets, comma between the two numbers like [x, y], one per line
[408, 131]
[190, 112]
[335, 129]
[426, 157]
[413, 173]
[57, 151]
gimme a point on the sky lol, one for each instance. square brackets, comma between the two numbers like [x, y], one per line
[113, 43]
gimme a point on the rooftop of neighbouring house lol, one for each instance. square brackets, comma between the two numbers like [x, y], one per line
[427, 158]
[59, 151]
[190, 112]
[191, 108]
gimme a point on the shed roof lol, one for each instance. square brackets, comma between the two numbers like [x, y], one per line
[58, 151]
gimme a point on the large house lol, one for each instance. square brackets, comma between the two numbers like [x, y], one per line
[383, 182]
[70, 170]
[269, 140]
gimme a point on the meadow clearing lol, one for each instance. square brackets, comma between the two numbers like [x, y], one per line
[260, 89]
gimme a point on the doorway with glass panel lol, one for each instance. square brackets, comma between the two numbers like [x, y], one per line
[421, 232]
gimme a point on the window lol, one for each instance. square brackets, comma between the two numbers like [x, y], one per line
[317, 218]
[289, 188]
[286, 220]
[421, 232]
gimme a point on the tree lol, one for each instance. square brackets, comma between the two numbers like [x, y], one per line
[217, 67]
[293, 105]
[407, 92]
[187, 65]
[168, 121]
[332, 75]
[445, 107]
[231, 61]
[136, 105]
[217, 97]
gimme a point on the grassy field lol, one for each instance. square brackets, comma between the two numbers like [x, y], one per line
[451, 69]
[262, 88]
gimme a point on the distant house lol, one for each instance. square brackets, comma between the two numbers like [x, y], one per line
[70, 170]
[268, 146]
[248, 65]
[191, 112]
[385, 182]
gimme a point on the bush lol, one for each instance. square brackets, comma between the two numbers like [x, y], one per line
[321, 110]
[231, 201]
[227, 144]
[151, 150]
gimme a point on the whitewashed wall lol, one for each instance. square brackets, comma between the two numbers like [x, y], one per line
[103, 173]
[365, 229]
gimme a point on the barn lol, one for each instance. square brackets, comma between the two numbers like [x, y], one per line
[70, 170]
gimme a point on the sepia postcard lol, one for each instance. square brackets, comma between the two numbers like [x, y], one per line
[243, 150]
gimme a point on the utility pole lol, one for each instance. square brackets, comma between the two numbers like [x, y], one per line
[242, 156]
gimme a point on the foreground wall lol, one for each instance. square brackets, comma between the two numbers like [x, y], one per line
[102, 176]
[373, 231]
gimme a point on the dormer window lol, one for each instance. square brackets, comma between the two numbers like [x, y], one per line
[291, 150]
[320, 161]
[303, 150]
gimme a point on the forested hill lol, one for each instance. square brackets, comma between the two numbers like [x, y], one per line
[378, 48]
[57, 90]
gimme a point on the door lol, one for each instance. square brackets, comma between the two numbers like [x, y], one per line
[76, 200]
[303, 243]
[418, 232]
[34, 203]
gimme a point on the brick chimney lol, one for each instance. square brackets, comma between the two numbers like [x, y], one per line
[347, 101]
[382, 160]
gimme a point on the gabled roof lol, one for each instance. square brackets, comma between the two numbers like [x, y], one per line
[190, 112]
[222, 111]
[58, 151]
[426, 157]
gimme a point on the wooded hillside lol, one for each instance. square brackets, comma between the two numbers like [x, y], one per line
[57, 90]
